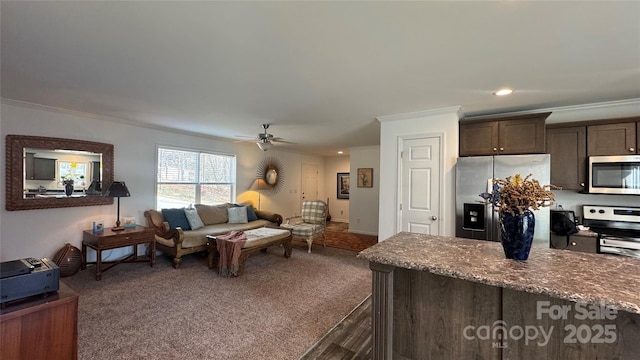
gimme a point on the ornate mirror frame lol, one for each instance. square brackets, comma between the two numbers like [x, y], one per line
[15, 145]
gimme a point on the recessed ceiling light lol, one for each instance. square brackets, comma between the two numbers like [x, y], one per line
[341, 152]
[503, 92]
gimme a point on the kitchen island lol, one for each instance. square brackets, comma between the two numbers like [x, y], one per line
[438, 297]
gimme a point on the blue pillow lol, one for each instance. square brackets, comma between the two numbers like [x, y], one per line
[251, 214]
[176, 218]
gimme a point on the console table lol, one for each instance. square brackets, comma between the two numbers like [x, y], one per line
[109, 239]
[41, 327]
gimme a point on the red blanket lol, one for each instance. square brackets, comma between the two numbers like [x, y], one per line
[229, 247]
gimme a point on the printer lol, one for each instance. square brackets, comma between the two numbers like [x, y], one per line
[27, 277]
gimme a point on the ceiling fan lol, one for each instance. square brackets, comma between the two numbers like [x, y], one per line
[266, 140]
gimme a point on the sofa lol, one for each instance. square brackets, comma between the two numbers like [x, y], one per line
[183, 231]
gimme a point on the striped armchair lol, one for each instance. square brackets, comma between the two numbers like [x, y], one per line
[314, 221]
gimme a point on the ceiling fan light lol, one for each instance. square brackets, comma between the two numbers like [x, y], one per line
[264, 145]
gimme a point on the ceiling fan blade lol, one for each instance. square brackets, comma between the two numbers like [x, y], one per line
[281, 140]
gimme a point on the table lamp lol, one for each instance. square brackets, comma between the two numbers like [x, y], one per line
[118, 189]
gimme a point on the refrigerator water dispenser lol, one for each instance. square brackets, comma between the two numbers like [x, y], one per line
[473, 217]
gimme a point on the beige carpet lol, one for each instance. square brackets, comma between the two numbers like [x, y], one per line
[276, 309]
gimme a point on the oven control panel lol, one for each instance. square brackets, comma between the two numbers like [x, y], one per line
[611, 213]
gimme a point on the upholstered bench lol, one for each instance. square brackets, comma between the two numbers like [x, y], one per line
[257, 239]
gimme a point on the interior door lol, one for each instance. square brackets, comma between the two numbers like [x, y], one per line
[420, 185]
[309, 189]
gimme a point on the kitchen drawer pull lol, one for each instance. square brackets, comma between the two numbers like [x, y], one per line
[573, 243]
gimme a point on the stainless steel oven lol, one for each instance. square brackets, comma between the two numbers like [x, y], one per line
[614, 174]
[618, 228]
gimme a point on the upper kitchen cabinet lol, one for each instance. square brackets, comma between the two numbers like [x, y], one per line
[39, 168]
[523, 134]
[568, 150]
[612, 139]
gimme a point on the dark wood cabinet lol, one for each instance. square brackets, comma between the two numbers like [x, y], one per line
[42, 328]
[612, 139]
[523, 134]
[479, 138]
[567, 147]
[39, 168]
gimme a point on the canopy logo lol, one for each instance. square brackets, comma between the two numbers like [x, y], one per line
[500, 332]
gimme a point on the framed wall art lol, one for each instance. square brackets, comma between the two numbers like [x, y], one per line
[343, 186]
[365, 177]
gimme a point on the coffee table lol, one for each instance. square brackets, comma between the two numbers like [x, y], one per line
[257, 239]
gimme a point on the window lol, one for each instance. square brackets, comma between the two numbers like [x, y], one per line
[71, 170]
[193, 177]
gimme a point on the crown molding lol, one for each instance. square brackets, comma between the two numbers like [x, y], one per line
[583, 112]
[453, 110]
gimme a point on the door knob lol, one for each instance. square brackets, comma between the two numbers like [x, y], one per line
[632, 149]
[434, 217]
[501, 149]
[495, 149]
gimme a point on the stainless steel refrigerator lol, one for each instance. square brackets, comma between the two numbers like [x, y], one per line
[473, 176]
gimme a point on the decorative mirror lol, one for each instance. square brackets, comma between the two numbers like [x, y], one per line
[272, 172]
[44, 172]
[271, 177]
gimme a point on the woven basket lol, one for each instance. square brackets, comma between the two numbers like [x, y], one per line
[68, 259]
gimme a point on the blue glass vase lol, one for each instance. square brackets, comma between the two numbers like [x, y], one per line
[517, 234]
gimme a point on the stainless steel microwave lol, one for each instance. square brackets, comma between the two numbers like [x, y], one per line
[614, 174]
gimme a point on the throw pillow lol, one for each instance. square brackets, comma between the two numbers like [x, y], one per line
[237, 215]
[251, 213]
[213, 214]
[176, 218]
[194, 219]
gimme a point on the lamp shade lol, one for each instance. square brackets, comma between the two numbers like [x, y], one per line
[258, 185]
[264, 145]
[117, 189]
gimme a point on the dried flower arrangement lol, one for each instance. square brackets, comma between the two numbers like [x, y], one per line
[516, 195]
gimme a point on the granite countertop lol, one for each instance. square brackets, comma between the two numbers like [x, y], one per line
[580, 277]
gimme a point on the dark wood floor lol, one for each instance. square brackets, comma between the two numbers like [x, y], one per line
[350, 339]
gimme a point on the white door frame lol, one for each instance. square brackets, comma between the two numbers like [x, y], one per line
[401, 140]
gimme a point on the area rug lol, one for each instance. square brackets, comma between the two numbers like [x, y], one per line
[276, 309]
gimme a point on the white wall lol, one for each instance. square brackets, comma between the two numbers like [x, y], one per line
[40, 233]
[444, 121]
[338, 208]
[364, 202]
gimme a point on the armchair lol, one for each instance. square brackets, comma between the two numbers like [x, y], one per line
[313, 224]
